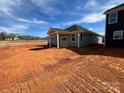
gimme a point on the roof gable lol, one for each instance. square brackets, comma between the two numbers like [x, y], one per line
[58, 29]
[73, 28]
[54, 30]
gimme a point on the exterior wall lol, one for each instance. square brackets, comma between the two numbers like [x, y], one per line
[53, 40]
[73, 43]
[110, 28]
[88, 39]
[69, 42]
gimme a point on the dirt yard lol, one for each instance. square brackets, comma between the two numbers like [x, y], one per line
[21, 42]
[34, 69]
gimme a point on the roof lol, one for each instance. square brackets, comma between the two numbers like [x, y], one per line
[70, 29]
[73, 28]
[116, 7]
[58, 29]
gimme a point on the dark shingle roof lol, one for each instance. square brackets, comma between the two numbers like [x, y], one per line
[78, 27]
[58, 29]
[114, 8]
[74, 28]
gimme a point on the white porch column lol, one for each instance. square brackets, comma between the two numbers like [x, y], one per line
[78, 40]
[57, 40]
[49, 41]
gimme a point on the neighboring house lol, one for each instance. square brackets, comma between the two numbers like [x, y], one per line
[14, 38]
[115, 26]
[74, 36]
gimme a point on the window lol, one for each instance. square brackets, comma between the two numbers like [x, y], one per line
[63, 38]
[73, 38]
[118, 35]
[113, 18]
[81, 36]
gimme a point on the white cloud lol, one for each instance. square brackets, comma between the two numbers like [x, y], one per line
[95, 5]
[91, 4]
[91, 29]
[97, 10]
[44, 34]
[14, 28]
[47, 6]
[33, 21]
[102, 33]
[6, 6]
[110, 4]
[89, 18]
[92, 18]
[115, 2]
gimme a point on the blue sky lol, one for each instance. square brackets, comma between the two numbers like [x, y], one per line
[34, 17]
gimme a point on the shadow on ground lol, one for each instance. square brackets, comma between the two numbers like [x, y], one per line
[92, 50]
[39, 47]
[100, 50]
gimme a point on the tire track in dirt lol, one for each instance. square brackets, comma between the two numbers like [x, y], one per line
[48, 71]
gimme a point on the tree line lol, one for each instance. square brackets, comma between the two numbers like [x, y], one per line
[12, 36]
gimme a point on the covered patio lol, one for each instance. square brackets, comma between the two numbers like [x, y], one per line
[62, 38]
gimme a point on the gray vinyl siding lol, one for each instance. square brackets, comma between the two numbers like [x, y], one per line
[53, 39]
[72, 43]
[88, 39]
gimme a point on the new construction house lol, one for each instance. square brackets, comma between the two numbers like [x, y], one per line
[74, 36]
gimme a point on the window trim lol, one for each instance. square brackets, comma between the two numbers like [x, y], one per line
[74, 37]
[119, 38]
[110, 17]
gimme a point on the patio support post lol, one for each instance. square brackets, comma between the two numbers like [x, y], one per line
[78, 40]
[57, 40]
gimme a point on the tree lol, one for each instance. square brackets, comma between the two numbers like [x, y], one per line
[12, 36]
[28, 37]
[3, 35]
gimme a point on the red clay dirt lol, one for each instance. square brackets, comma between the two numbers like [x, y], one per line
[35, 69]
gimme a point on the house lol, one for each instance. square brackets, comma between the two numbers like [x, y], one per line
[74, 36]
[12, 38]
[114, 35]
